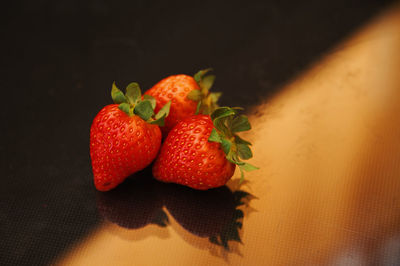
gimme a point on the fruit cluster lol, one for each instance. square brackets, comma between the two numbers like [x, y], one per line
[201, 147]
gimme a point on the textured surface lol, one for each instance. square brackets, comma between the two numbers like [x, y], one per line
[328, 189]
[59, 59]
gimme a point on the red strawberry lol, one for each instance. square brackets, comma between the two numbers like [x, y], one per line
[201, 151]
[124, 138]
[187, 94]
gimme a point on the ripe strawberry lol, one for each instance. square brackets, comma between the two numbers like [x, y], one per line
[187, 94]
[124, 137]
[201, 151]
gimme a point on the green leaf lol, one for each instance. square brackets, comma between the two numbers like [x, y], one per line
[242, 166]
[195, 95]
[226, 145]
[151, 100]
[248, 167]
[244, 151]
[240, 123]
[207, 82]
[214, 136]
[239, 140]
[219, 124]
[215, 96]
[160, 121]
[231, 159]
[241, 175]
[222, 112]
[199, 75]
[198, 108]
[161, 115]
[126, 108]
[164, 111]
[237, 108]
[144, 110]
[117, 95]
[227, 122]
[133, 92]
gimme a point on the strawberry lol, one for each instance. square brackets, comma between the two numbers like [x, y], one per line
[187, 94]
[202, 151]
[124, 137]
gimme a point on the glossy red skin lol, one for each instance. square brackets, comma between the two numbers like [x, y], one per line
[188, 158]
[120, 145]
[175, 89]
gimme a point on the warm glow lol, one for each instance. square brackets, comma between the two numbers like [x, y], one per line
[329, 150]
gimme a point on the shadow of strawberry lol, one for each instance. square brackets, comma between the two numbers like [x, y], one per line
[134, 204]
[213, 213]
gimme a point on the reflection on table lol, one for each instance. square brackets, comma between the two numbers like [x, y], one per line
[328, 189]
[215, 214]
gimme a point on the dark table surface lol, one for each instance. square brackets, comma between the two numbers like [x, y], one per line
[61, 57]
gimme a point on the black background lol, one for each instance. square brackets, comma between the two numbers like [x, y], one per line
[59, 59]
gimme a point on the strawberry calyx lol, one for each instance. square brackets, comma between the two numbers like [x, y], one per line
[227, 123]
[206, 100]
[132, 103]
